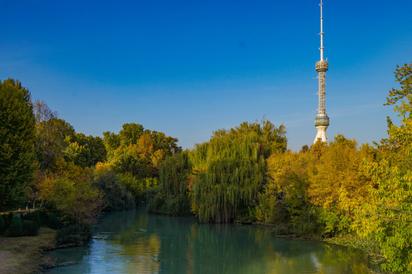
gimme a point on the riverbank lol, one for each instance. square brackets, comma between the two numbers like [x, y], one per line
[281, 231]
[367, 246]
[25, 255]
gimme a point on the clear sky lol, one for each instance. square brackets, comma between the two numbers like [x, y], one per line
[190, 67]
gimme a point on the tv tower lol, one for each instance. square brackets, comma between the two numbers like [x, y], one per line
[322, 119]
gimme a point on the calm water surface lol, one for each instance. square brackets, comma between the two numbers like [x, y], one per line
[136, 242]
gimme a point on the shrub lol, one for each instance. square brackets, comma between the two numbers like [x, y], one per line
[21, 227]
[333, 222]
[33, 216]
[2, 224]
[30, 228]
[116, 196]
[175, 206]
[15, 228]
[76, 199]
[7, 220]
[138, 187]
[73, 235]
[50, 219]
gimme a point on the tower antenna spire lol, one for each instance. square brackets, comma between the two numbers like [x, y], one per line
[322, 48]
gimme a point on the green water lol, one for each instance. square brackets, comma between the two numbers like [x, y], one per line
[136, 242]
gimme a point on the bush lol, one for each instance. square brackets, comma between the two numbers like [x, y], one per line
[7, 220]
[49, 219]
[15, 228]
[306, 222]
[21, 227]
[34, 217]
[73, 235]
[174, 206]
[116, 196]
[139, 187]
[333, 223]
[2, 225]
[30, 228]
[75, 199]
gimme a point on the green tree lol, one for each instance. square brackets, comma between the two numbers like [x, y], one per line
[73, 194]
[111, 142]
[229, 171]
[401, 98]
[51, 142]
[172, 196]
[85, 151]
[130, 133]
[138, 151]
[16, 143]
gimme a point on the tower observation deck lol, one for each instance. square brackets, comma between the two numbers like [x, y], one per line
[322, 119]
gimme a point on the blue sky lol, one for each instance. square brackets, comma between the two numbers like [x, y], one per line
[190, 67]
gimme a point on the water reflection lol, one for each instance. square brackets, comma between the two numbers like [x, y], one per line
[135, 242]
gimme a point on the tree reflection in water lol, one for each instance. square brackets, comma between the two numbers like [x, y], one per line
[135, 242]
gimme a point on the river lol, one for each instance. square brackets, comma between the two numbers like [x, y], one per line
[137, 242]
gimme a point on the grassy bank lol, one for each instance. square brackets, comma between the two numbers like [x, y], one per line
[25, 254]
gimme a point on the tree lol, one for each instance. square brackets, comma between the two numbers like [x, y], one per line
[85, 151]
[172, 196]
[387, 217]
[73, 195]
[336, 184]
[111, 142]
[130, 133]
[229, 171]
[401, 98]
[51, 142]
[138, 151]
[16, 143]
[42, 112]
[285, 201]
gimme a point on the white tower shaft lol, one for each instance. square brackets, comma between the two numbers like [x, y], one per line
[322, 119]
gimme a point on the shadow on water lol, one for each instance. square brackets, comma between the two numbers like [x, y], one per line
[135, 242]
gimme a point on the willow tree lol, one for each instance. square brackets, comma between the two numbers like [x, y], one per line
[229, 170]
[172, 196]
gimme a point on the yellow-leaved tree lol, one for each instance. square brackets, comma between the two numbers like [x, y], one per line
[387, 216]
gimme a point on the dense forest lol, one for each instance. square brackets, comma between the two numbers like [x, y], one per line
[359, 195]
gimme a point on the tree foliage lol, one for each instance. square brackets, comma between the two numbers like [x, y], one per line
[85, 151]
[172, 196]
[285, 200]
[16, 143]
[401, 98]
[229, 170]
[51, 143]
[336, 184]
[138, 151]
[242, 174]
[387, 216]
